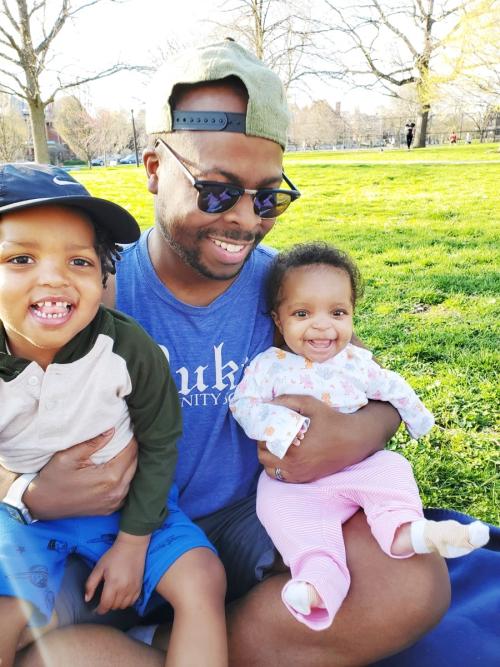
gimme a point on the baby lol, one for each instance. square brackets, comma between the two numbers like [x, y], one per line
[71, 369]
[312, 292]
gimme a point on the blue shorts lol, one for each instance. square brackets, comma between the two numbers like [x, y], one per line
[33, 557]
[242, 544]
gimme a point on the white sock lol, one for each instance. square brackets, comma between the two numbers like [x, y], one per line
[302, 597]
[449, 538]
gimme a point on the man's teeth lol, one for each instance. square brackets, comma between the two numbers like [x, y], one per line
[229, 247]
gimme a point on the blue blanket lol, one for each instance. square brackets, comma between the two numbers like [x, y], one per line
[469, 634]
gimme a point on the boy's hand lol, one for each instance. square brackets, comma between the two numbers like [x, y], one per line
[121, 570]
[72, 485]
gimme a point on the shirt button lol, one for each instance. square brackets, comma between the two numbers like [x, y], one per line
[50, 405]
[33, 381]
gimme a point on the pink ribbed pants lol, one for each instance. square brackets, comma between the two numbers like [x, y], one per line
[305, 522]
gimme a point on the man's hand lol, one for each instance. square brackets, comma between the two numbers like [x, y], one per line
[121, 570]
[333, 440]
[72, 485]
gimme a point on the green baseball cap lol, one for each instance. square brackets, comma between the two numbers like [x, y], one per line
[267, 113]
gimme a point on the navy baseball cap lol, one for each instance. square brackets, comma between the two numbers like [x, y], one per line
[27, 185]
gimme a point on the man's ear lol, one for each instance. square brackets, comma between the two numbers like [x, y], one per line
[152, 162]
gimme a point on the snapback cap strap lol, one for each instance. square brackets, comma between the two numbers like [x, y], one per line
[208, 121]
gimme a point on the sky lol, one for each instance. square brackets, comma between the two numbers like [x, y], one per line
[137, 32]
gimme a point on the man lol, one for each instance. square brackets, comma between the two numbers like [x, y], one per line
[196, 283]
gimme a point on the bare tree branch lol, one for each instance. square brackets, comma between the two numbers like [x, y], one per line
[6, 11]
[12, 76]
[401, 45]
[385, 20]
[18, 34]
[56, 28]
[93, 77]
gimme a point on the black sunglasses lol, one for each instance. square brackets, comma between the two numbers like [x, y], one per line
[217, 197]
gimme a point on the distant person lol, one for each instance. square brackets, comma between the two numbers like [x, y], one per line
[69, 369]
[410, 132]
[468, 138]
[453, 138]
[312, 293]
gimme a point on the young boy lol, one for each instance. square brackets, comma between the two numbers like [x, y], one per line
[69, 370]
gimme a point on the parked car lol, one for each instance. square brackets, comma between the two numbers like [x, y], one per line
[97, 162]
[128, 159]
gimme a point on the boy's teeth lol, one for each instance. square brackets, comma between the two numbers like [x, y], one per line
[51, 310]
[52, 304]
[49, 316]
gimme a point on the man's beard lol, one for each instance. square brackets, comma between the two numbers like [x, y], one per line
[192, 258]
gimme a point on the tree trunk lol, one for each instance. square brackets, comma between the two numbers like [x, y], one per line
[38, 131]
[424, 119]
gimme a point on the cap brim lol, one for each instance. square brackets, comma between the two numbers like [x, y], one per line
[118, 222]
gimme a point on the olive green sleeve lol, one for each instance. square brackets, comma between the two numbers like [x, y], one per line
[156, 421]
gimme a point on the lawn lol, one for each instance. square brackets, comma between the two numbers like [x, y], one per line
[423, 226]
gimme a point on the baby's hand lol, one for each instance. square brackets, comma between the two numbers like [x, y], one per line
[300, 436]
[121, 569]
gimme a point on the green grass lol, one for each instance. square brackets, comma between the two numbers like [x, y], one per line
[468, 153]
[424, 232]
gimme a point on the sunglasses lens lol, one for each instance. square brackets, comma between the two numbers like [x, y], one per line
[270, 203]
[214, 198]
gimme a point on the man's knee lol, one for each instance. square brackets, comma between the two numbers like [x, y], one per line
[403, 598]
[426, 597]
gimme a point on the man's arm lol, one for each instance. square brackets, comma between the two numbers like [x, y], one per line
[334, 440]
[71, 485]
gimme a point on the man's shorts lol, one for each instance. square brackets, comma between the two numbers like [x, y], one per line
[33, 557]
[241, 542]
[243, 545]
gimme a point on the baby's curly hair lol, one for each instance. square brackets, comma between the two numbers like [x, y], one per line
[307, 254]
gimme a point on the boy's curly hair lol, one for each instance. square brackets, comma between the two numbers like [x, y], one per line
[108, 252]
[307, 254]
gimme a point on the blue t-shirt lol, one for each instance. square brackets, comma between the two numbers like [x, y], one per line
[208, 348]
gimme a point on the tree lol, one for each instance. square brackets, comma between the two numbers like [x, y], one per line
[316, 124]
[77, 127]
[279, 32]
[473, 49]
[13, 136]
[112, 132]
[28, 30]
[400, 44]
